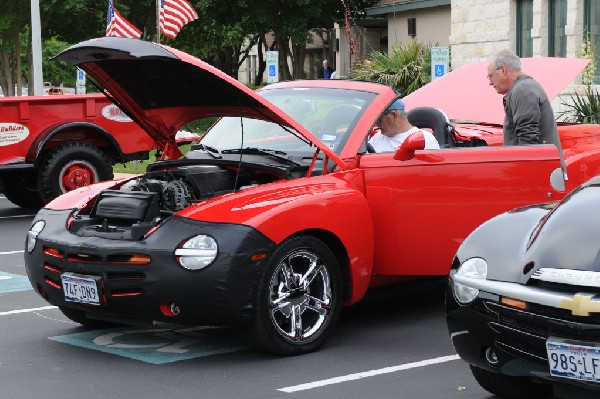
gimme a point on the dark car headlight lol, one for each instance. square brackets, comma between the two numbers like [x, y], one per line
[197, 252]
[33, 233]
[473, 268]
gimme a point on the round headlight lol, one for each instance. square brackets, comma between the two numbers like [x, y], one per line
[473, 268]
[197, 252]
[33, 233]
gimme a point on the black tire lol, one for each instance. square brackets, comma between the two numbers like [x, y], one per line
[78, 316]
[509, 387]
[282, 300]
[21, 189]
[72, 166]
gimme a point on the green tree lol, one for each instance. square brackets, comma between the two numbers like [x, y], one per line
[222, 36]
[13, 19]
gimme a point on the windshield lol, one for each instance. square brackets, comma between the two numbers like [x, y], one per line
[329, 114]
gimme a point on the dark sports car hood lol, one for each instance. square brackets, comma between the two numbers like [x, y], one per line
[163, 88]
[568, 237]
[518, 243]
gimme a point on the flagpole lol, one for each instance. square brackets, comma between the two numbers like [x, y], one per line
[36, 86]
[158, 21]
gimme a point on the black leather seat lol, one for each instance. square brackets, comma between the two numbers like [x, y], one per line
[437, 121]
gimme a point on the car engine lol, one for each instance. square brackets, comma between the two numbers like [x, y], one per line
[140, 204]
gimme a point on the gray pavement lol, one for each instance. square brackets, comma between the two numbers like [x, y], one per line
[391, 345]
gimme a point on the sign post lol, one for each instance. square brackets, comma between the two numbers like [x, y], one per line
[272, 66]
[439, 61]
[80, 84]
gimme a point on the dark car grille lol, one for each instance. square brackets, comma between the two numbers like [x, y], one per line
[524, 333]
[116, 283]
[563, 314]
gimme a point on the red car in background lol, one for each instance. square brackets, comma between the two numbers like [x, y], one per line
[280, 215]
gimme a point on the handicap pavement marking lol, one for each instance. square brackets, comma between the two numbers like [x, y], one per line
[13, 282]
[159, 345]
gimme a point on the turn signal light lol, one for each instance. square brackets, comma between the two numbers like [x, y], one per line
[513, 303]
[139, 259]
[257, 257]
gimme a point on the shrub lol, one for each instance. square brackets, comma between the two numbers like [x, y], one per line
[582, 108]
[406, 68]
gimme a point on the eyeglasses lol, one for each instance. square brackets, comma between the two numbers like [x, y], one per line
[491, 75]
[381, 117]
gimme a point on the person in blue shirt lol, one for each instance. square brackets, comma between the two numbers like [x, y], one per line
[325, 71]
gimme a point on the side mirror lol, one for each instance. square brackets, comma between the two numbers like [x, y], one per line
[406, 151]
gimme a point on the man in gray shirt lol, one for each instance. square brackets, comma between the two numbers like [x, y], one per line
[529, 117]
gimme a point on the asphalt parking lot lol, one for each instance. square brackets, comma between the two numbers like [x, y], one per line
[392, 345]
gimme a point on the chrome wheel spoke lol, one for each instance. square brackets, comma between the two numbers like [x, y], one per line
[297, 332]
[317, 305]
[287, 271]
[281, 297]
[283, 306]
[313, 271]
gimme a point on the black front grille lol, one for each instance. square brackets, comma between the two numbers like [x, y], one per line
[125, 276]
[524, 333]
[563, 314]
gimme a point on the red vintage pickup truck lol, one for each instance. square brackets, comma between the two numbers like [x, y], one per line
[50, 145]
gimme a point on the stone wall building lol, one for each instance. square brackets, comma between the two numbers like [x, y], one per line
[473, 30]
[531, 28]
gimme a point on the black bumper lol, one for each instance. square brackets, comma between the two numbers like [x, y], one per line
[518, 338]
[221, 293]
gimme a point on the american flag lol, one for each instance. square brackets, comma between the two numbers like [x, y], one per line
[173, 14]
[117, 25]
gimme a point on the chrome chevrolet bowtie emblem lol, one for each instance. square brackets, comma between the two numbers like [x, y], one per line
[581, 305]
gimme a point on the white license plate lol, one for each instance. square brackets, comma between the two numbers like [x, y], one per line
[80, 288]
[569, 359]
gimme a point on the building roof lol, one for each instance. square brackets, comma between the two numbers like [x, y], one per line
[390, 6]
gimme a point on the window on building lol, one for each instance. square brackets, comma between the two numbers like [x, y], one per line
[557, 39]
[592, 27]
[524, 26]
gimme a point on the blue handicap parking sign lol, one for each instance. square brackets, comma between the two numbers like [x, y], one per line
[13, 282]
[271, 70]
[439, 70]
[159, 345]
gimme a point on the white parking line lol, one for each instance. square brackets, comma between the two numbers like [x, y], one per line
[12, 252]
[26, 310]
[370, 373]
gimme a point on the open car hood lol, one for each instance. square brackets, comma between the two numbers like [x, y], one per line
[163, 89]
[466, 95]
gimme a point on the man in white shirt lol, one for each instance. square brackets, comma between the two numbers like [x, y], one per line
[394, 128]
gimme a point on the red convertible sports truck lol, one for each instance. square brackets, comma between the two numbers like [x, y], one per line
[50, 145]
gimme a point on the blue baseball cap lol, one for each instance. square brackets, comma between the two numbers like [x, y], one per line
[397, 105]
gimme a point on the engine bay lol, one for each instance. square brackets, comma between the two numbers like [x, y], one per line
[140, 204]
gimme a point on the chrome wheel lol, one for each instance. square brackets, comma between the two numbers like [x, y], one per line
[299, 298]
[300, 291]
